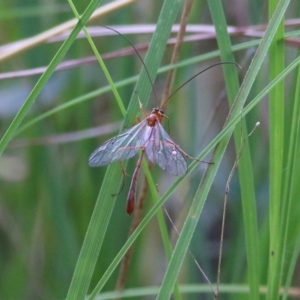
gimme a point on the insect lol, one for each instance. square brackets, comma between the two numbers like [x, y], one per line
[149, 137]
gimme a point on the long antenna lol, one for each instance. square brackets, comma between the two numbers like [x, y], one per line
[137, 55]
[217, 64]
[166, 101]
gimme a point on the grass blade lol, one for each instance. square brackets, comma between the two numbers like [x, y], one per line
[276, 112]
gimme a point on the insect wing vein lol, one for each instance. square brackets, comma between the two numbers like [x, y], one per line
[163, 151]
[120, 147]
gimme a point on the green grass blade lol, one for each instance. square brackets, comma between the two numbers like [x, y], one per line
[101, 62]
[289, 230]
[276, 109]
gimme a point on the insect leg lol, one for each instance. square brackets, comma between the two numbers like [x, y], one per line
[191, 157]
[132, 191]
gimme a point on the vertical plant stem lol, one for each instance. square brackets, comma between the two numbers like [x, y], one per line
[291, 188]
[276, 112]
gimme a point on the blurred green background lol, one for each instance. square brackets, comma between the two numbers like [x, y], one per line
[48, 191]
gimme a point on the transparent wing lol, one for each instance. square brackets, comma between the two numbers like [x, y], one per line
[120, 147]
[163, 151]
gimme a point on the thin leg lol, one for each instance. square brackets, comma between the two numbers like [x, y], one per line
[132, 191]
[176, 147]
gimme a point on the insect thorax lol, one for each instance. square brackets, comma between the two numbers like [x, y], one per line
[156, 115]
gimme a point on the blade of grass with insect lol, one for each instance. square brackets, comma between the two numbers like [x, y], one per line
[245, 168]
[160, 217]
[10, 132]
[201, 194]
[229, 127]
[105, 202]
[276, 129]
